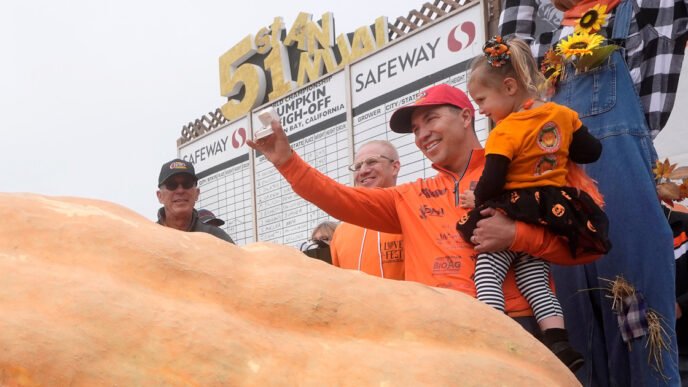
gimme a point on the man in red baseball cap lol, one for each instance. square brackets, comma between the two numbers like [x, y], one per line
[442, 121]
[425, 211]
[442, 94]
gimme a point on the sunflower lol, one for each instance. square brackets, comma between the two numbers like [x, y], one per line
[592, 20]
[579, 44]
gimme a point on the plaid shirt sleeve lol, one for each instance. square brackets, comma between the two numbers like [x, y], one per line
[655, 47]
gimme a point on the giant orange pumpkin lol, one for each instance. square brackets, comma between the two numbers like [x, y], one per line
[92, 294]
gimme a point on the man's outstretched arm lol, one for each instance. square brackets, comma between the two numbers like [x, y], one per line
[374, 208]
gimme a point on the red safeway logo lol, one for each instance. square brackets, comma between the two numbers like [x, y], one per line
[454, 44]
[238, 143]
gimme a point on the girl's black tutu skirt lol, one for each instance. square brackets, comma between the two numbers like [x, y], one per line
[565, 211]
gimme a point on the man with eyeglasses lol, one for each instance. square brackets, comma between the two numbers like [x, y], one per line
[381, 254]
[425, 211]
[178, 192]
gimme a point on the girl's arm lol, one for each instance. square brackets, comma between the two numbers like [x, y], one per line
[585, 148]
[492, 181]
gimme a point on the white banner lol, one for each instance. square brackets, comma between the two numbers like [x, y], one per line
[446, 43]
[219, 146]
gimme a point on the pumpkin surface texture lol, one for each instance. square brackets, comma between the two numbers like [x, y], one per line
[93, 294]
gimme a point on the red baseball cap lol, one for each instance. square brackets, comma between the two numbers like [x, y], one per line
[437, 95]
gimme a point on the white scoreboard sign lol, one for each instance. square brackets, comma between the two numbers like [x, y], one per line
[314, 119]
[325, 122]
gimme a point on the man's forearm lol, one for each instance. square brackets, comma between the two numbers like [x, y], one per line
[365, 207]
[539, 242]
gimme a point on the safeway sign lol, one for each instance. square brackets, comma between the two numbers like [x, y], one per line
[453, 40]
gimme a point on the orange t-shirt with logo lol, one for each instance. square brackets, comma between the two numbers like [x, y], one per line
[376, 253]
[537, 142]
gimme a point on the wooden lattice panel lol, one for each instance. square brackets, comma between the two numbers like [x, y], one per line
[428, 13]
[198, 127]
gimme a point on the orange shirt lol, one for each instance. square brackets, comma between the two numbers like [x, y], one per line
[373, 252]
[425, 212]
[537, 142]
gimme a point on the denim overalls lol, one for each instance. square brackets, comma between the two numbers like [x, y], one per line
[642, 245]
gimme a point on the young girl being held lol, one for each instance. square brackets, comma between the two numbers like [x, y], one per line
[526, 165]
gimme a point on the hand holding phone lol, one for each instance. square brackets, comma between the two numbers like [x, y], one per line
[265, 116]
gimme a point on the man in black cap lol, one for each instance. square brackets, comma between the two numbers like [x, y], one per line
[178, 192]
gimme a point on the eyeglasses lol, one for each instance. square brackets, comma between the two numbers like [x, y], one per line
[369, 162]
[171, 185]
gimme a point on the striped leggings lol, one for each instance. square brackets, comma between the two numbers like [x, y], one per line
[532, 279]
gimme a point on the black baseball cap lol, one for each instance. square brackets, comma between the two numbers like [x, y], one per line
[206, 216]
[176, 167]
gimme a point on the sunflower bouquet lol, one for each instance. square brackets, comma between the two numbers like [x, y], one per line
[585, 49]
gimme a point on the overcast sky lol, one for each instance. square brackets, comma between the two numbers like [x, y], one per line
[93, 93]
